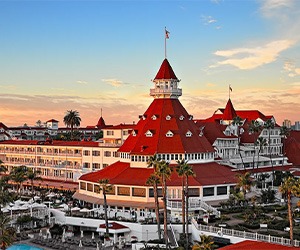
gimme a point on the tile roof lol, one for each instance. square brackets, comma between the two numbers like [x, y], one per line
[229, 112]
[165, 71]
[179, 124]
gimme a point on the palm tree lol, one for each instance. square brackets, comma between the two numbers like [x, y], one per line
[184, 170]
[237, 121]
[153, 180]
[18, 175]
[105, 187]
[284, 132]
[254, 128]
[7, 234]
[153, 162]
[290, 187]
[33, 175]
[269, 124]
[72, 119]
[39, 123]
[206, 243]
[261, 143]
[164, 172]
[245, 182]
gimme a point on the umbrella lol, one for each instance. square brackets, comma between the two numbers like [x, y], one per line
[81, 234]
[40, 233]
[97, 248]
[75, 209]
[36, 198]
[93, 236]
[85, 210]
[80, 243]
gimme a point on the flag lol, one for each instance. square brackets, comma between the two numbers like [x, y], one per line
[167, 34]
[230, 88]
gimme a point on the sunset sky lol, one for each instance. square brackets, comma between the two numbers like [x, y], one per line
[87, 55]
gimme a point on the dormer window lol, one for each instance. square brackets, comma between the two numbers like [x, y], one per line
[168, 117]
[191, 117]
[149, 133]
[154, 117]
[188, 134]
[134, 132]
[181, 118]
[144, 117]
[169, 134]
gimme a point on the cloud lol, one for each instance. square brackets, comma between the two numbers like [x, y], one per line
[207, 20]
[81, 82]
[114, 82]
[290, 68]
[209, 84]
[250, 58]
[271, 5]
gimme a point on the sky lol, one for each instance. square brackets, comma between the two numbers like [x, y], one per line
[91, 55]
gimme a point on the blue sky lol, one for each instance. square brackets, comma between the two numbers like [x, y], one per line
[88, 55]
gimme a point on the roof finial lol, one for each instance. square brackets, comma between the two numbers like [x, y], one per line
[229, 90]
[166, 37]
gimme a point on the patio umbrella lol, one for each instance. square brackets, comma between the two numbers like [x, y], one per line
[75, 209]
[93, 236]
[97, 248]
[80, 243]
[84, 210]
[81, 234]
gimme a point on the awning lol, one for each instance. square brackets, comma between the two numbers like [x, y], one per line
[113, 228]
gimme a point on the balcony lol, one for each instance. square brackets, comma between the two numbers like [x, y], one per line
[171, 92]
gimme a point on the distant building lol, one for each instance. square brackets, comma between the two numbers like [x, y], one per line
[287, 123]
[297, 125]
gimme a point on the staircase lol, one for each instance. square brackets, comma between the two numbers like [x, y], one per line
[171, 237]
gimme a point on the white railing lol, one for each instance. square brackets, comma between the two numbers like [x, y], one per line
[174, 236]
[194, 204]
[245, 235]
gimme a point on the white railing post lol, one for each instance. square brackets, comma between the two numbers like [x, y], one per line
[244, 234]
[232, 231]
[256, 236]
[269, 238]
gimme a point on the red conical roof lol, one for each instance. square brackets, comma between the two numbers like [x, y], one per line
[229, 112]
[166, 116]
[101, 123]
[165, 71]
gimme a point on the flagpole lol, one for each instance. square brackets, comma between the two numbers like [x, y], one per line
[165, 43]
[229, 91]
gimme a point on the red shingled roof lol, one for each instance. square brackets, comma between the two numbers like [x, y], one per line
[292, 147]
[101, 123]
[120, 173]
[165, 71]
[159, 142]
[256, 245]
[229, 112]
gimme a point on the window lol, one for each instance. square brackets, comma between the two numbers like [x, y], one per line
[109, 132]
[90, 187]
[134, 132]
[86, 152]
[83, 185]
[105, 165]
[107, 153]
[86, 164]
[96, 165]
[154, 117]
[188, 134]
[124, 191]
[222, 190]
[168, 118]
[169, 134]
[96, 153]
[181, 117]
[194, 192]
[149, 133]
[139, 192]
[209, 191]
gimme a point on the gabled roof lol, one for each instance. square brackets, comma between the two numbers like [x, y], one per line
[121, 173]
[165, 71]
[229, 112]
[52, 120]
[2, 125]
[159, 142]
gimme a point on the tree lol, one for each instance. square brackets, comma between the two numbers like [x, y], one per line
[5, 196]
[33, 175]
[290, 187]
[7, 234]
[164, 172]
[269, 124]
[18, 175]
[245, 182]
[105, 187]
[284, 132]
[261, 143]
[72, 119]
[39, 123]
[237, 121]
[184, 171]
[206, 243]
[254, 129]
[153, 181]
